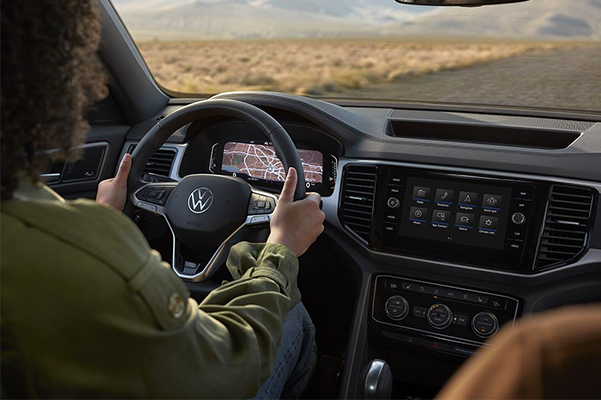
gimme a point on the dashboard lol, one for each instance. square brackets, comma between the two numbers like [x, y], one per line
[450, 223]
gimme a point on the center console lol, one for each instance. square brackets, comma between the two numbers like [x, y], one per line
[438, 316]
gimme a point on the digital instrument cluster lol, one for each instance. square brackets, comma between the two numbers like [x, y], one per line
[257, 163]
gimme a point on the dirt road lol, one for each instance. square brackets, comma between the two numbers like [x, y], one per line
[567, 79]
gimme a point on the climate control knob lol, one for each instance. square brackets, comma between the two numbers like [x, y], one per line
[397, 308]
[439, 316]
[485, 324]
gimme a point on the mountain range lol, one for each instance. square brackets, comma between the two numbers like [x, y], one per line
[228, 19]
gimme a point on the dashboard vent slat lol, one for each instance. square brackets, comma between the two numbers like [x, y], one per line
[160, 162]
[566, 228]
[358, 191]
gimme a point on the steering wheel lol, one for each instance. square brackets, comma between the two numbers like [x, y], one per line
[207, 213]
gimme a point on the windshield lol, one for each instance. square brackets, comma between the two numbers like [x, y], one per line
[541, 53]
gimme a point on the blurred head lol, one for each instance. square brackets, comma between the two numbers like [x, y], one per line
[51, 75]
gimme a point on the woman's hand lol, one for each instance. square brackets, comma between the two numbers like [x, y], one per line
[113, 192]
[296, 224]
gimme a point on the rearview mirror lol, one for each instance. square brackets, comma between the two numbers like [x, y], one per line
[465, 3]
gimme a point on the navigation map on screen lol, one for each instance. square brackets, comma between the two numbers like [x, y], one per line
[261, 162]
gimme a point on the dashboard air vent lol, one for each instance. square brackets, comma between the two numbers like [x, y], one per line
[160, 162]
[566, 225]
[358, 190]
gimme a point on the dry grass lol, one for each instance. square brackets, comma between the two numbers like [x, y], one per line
[312, 66]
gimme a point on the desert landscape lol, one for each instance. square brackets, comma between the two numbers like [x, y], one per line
[316, 66]
[540, 53]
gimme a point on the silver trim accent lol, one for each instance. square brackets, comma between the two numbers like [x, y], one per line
[52, 175]
[212, 265]
[330, 206]
[560, 221]
[180, 150]
[436, 334]
[211, 158]
[372, 379]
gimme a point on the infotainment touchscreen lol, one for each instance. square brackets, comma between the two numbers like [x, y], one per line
[259, 161]
[455, 212]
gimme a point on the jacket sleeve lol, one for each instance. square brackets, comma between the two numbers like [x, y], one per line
[240, 324]
[118, 323]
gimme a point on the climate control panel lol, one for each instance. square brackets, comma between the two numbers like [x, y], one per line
[440, 311]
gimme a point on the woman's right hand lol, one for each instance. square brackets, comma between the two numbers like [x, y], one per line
[296, 224]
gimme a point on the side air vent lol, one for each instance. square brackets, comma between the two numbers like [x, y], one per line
[566, 225]
[160, 162]
[356, 209]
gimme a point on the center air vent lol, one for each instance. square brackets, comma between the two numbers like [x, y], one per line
[358, 190]
[160, 162]
[566, 225]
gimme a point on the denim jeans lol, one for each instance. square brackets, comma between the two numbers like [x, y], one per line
[296, 358]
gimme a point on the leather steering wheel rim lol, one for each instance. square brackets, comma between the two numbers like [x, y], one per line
[159, 133]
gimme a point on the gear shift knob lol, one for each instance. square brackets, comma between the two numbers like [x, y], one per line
[378, 380]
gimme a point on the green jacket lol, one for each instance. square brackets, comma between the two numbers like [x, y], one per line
[89, 310]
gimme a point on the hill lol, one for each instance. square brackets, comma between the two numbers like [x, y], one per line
[228, 19]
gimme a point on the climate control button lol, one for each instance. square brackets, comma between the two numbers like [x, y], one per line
[397, 307]
[485, 324]
[439, 316]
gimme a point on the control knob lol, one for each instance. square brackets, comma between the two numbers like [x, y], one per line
[397, 307]
[518, 218]
[485, 324]
[393, 202]
[439, 316]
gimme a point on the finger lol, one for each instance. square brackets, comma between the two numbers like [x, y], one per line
[124, 169]
[315, 197]
[289, 186]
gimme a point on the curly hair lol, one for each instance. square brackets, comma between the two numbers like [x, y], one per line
[51, 75]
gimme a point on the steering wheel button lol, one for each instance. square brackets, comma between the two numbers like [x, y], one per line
[259, 219]
[148, 207]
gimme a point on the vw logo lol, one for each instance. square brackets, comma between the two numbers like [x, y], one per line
[200, 200]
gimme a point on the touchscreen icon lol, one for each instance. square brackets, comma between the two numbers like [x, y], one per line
[492, 201]
[421, 193]
[464, 220]
[441, 217]
[468, 198]
[489, 223]
[444, 195]
[418, 214]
